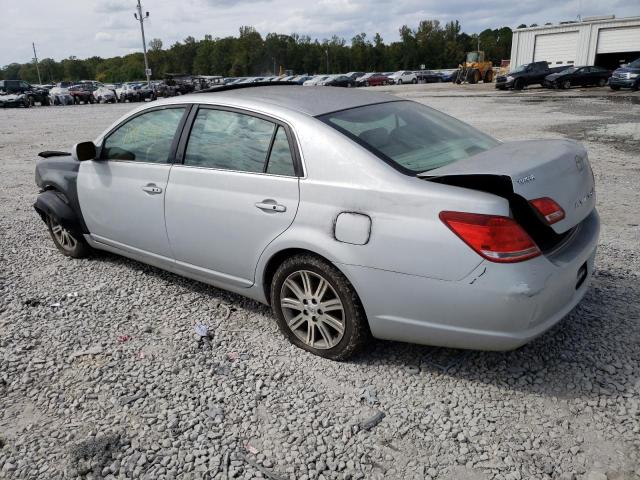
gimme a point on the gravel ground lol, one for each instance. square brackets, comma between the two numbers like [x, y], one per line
[101, 375]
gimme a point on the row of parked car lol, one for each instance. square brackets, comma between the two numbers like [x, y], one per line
[627, 76]
[18, 93]
[353, 79]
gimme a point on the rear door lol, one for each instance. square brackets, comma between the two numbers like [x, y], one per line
[235, 191]
[122, 194]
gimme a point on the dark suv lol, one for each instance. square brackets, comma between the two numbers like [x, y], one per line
[627, 76]
[24, 92]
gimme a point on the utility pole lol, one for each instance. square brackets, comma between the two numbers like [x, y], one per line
[138, 16]
[35, 57]
[327, 52]
[274, 66]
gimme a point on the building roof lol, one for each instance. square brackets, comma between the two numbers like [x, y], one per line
[310, 100]
[585, 21]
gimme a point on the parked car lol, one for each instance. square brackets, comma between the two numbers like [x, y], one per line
[511, 227]
[60, 96]
[377, 79]
[428, 76]
[360, 81]
[315, 80]
[578, 76]
[527, 74]
[82, 93]
[136, 92]
[403, 76]
[22, 92]
[9, 100]
[627, 76]
[105, 94]
[448, 75]
[300, 79]
[340, 81]
[354, 75]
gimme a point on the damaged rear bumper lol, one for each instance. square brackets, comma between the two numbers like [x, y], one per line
[495, 307]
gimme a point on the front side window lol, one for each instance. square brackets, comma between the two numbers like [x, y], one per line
[410, 136]
[229, 141]
[145, 138]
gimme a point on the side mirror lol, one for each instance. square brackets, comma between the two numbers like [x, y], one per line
[83, 151]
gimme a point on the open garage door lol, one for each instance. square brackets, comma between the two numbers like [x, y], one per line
[556, 48]
[617, 46]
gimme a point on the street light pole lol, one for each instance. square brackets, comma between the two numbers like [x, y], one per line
[327, 52]
[138, 16]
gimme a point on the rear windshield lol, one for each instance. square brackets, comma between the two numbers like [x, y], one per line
[410, 136]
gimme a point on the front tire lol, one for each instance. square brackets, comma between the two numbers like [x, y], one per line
[566, 84]
[66, 242]
[317, 308]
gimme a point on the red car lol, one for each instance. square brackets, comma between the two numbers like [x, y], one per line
[375, 80]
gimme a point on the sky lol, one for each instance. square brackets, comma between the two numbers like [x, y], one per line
[84, 28]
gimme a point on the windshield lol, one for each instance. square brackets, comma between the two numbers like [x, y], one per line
[520, 68]
[635, 63]
[410, 136]
[472, 57]
[569, 70]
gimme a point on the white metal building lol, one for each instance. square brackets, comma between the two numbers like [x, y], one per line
[603, 41]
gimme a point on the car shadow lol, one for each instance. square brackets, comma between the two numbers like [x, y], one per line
[591, 353]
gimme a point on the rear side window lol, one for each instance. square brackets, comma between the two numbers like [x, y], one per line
[236, 141]
[410, 136]
[229, 140]
[145, 138]
[280, 159]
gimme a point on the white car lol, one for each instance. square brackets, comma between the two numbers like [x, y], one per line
[105, 94]
[403, 76]
[352, 213]
[315, 80]
[326, 79]
[60, 96]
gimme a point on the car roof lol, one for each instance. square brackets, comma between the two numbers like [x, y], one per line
[312, 101]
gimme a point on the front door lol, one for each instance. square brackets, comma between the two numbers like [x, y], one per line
[122, 194]
[235, 192]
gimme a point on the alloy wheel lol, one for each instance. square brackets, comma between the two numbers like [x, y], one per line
[64, 238]
[312, 309]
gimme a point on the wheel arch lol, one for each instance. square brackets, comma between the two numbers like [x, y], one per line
[277, 258]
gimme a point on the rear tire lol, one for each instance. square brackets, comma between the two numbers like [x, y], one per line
[68, 243]
[304, 289]
[614, 87]
[488, 76]
[602, 82]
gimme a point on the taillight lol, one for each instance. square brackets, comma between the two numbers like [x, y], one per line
[496, 238]
[549, 209]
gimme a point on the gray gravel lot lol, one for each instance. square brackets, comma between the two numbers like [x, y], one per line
[101, 375]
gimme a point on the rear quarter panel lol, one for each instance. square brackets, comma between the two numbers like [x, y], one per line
[407, 235]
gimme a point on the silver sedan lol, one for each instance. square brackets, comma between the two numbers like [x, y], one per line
[353, 214]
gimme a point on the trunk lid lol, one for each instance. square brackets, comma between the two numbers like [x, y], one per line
[558, 169]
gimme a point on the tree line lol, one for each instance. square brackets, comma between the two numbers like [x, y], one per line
[431, 44]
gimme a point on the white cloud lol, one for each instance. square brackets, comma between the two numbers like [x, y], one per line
[103, 37]
[107, 27]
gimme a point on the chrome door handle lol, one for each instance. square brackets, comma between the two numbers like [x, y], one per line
[152, 189]
[271, 206]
